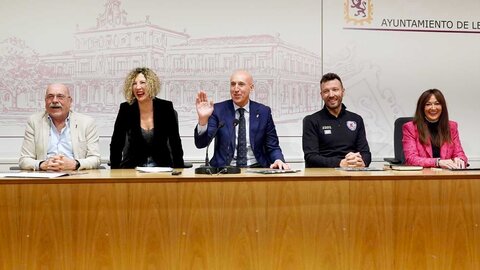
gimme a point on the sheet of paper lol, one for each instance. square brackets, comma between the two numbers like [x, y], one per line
[406, 168]
[270, 171]
[33, 174]
[359, 169]
[154, 169]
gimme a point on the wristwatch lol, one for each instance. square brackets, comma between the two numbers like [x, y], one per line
[78, 165]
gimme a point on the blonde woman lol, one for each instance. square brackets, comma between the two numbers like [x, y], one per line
[146, 128]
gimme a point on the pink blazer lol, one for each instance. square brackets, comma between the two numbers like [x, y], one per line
[421, 155]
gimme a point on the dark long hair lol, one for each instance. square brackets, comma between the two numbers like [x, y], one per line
[420, 119]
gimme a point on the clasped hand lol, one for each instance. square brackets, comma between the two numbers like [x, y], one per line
[454, 163]
[352, 160]
[58, 163]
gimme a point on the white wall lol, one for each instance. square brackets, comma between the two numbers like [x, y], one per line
[387, 67]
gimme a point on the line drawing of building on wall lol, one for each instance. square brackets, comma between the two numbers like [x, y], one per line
[286, 76]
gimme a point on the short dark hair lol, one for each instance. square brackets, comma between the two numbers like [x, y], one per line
[330, 77]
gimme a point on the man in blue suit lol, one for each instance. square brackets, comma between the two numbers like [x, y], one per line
[262, 147]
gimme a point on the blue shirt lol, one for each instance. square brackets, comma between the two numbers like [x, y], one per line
[60, 142]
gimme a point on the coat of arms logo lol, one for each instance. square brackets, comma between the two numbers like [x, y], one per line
[358, 11]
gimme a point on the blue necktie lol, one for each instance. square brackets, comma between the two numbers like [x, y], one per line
[242, 140]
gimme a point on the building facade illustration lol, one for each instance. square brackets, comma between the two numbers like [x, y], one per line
[286, 76]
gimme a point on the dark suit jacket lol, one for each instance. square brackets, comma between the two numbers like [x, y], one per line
[167, 146]
[263, 136]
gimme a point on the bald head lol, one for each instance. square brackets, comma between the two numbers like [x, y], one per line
[241, 84]
[244, 73]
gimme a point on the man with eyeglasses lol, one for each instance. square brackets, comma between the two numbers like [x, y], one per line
[333, 136]
[245, 132]
[59, 139]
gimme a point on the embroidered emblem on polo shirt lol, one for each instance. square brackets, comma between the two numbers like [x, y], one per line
[352, 125]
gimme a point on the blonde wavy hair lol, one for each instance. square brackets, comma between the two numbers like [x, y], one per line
[153, 83]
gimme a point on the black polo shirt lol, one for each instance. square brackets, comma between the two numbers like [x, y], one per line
[327, 139]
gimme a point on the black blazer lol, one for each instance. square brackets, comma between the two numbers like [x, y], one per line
[167, 146]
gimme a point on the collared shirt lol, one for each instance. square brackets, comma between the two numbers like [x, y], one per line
[60, 142]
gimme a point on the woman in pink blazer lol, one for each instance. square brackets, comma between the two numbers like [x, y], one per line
[431, 140]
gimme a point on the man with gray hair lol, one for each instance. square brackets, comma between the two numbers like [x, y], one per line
[59, 139]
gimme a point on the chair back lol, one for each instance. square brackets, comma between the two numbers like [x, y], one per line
[397, 138]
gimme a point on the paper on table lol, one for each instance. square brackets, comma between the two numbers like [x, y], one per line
[406, 168]
[154, 169]
[270, 171]
[33, 174]
[359, 169]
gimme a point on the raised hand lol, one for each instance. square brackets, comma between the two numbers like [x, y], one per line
[204, 107]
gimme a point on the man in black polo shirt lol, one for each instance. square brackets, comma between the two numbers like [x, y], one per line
[333, 136]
